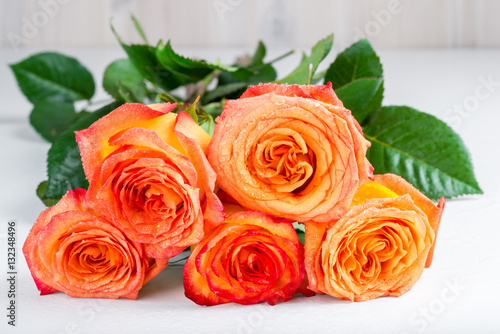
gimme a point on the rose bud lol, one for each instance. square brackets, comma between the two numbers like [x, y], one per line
[148, 172]
[291, 151]
[250, 258]
[72, 249]
[379, 247]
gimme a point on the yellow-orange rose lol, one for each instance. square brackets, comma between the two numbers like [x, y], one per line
[379, 247]
[72, 249]
[149, 174]
[291, 151]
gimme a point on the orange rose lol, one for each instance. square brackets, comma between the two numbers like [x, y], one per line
[250, 258]
[291, 151]
[71, 249]
[379, 247]
[148, 172]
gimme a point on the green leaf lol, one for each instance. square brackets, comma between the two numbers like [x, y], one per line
[143, 57]
[231, 88]
[302, 236]
[258, 57]
[120, 78]
[422, 149]
[207, 115]
[79, 115]
[139, 29]
[265, 73]
[129, 95]
[283, 56]
[356, 75]
[317, 77]
[356, 62]
[214, 109]
[223, 90]
[299, 226]
[188, 69]
[362, 96]
[40, 192]
[301, 232]
[302, 73]
[194, 70]
[166, 97]
[53, 74]
[52, 116]
[208, 125]
[64, 165]
[193, 110]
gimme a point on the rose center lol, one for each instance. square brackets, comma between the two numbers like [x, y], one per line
[93, 257]
[376, 253]
[254, 264]
[283, 160]
[152, 192]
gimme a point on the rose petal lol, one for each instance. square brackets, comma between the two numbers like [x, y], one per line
[94, 141]
[323, 93]
[400, 186]
[195, 140]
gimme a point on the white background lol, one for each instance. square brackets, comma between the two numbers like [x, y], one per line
[458, 294]
[388, 23]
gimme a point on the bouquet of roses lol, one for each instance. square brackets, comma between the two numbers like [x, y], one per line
[276, 197]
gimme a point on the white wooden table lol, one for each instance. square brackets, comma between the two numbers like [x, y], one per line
[458, 294]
